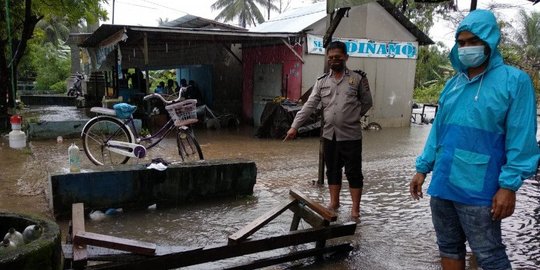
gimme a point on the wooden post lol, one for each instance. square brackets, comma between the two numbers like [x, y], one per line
[332, 24]
[80, 255]
[295, 222]
[473, 4]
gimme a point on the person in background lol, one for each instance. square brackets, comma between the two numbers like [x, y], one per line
[176, 88]
[481, 147]
[194, 92]
[183, 88]
[345, 99]
[169, 90]
[160, 89]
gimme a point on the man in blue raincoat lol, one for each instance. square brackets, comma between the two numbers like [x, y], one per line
[480, 149]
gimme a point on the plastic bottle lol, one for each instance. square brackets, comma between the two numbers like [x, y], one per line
[74, 158]
[17, 138]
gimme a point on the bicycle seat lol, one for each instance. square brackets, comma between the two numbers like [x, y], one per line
[102, 110]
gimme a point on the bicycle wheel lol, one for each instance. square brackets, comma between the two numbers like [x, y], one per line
[188, 147]
[95, 135]
[373, 126]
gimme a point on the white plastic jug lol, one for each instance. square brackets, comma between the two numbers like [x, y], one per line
[17, 138]
[74, 158]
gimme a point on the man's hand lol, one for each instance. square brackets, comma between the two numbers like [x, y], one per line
[291, 134]
[504, 203]
[415, 187]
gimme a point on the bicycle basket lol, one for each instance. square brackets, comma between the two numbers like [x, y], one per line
[184, 112]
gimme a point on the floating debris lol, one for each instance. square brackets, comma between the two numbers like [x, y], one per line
[32, 233]
[14, 236]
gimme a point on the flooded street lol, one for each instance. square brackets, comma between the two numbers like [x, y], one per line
[395, 232]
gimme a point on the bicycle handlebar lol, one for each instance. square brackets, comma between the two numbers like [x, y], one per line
[159, 96]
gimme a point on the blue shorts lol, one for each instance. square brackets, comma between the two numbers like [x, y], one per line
[456, 223]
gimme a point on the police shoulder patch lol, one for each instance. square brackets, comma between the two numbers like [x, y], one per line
[322, 76]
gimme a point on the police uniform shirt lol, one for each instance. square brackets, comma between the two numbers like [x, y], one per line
[343, 107]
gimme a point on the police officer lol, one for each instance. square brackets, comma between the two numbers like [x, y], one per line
[345, 98]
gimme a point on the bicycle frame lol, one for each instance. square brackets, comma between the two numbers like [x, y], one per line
[159, 135]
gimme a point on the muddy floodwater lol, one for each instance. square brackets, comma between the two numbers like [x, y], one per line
[394, 232]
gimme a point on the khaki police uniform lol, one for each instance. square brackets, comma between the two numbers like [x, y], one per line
[344, 102]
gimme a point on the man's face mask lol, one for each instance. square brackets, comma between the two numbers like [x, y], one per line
[472, 56]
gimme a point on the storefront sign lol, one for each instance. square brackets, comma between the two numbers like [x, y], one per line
[368, 48]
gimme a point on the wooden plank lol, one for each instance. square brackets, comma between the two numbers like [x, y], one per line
[294, 256]
[319, 209]
[229, 251]
[258, 223]
[79, 251]
[113, 255]
[293, 51]
[100, 240]
[307, 215]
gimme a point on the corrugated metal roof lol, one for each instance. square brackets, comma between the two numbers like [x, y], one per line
[297, 20]
[294, 20]
[192, 21]
[135, 33]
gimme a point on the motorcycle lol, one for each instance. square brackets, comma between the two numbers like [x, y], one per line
[76, 89]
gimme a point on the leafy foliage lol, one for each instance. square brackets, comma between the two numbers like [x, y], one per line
[522, 45]
[428, 94]
[246, 11]
[24, 16]
[53, 67]
[432, 66]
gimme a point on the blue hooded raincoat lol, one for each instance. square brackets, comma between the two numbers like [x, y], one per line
[484, 135]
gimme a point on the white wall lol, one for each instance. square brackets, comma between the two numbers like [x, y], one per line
[391, 80]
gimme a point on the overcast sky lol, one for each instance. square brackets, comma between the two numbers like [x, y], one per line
[148, 12]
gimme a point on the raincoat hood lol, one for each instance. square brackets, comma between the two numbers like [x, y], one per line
[481, 23]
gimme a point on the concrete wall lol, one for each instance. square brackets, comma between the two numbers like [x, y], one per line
[134, 186]
[391, 80]
[65, 128]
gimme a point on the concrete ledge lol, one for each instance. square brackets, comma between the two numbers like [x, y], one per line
[67, 128]
[134, 186]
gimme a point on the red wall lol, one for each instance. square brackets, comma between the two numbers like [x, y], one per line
[276, 54]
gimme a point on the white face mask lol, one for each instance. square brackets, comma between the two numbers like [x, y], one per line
[472, 56]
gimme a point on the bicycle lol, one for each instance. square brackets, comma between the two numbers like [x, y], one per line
[108, 137]
[366, 125]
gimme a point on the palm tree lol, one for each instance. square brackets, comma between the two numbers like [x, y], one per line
[55, 30]
[527, 43]
[162, 21]
[246, 11]
[529, 34]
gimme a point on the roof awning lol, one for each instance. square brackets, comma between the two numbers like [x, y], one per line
[110, 33]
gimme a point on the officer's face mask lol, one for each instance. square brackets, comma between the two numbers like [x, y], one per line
[472, 56]
[336, 60]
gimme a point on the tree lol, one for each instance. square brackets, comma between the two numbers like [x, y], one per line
[246, 11]
[19, 25]
[270, 6]
[527, 42]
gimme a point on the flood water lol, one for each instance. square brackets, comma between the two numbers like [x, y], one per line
[395, 232]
